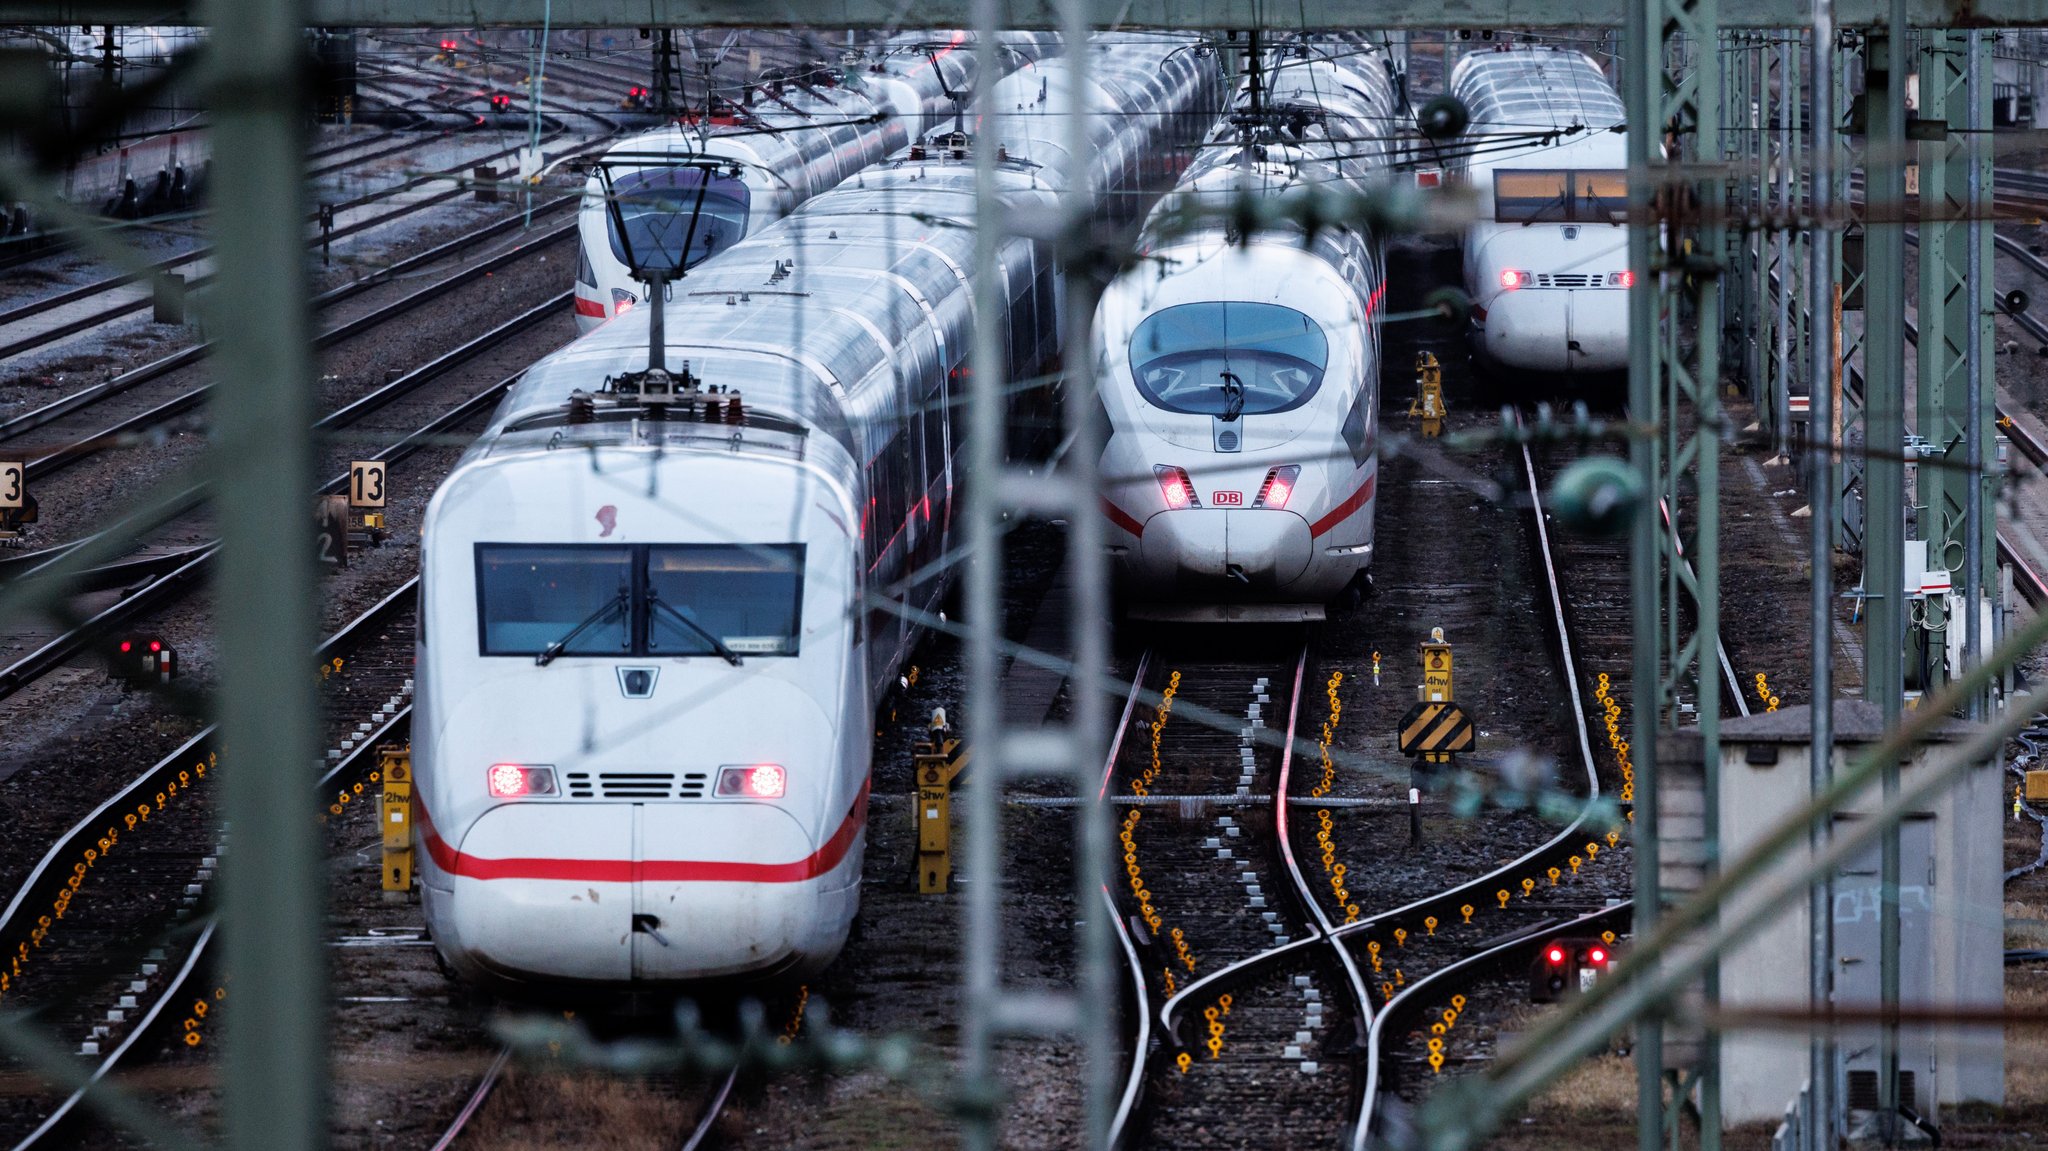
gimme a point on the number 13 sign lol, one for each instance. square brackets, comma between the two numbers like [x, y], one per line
[365, 484]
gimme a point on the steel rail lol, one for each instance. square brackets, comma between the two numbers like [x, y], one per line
[155, 1018]
[145, 1027]
[63, 457]
[1491, 958]
[181, 579]
[462, 277]
[1317, 922]
[712, 1110]
[1141, 1044]
[484, 1087]
[1558, 844]
[45, 878]
[86, 291]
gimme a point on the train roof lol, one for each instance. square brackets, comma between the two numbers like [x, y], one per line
[805, 318]
[1524, 86]
[1330, 122]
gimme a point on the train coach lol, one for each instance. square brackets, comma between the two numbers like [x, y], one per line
[745, 165]
[662, 594]
[1546, 260]
[1241, 372]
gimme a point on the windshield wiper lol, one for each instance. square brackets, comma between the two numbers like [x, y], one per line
[615, 604]
[1233, 397]
[717, 645]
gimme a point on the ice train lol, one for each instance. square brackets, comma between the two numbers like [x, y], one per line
[1546, 261]
[658, 606]
[1241, 372]
[743, 166]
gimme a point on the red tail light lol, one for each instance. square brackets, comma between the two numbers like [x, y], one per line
[753, 781]
[1555, 955]
[1278, 488]
[1597, 955]
[125, 645]
[517, 781]
[1175, 486]
[1622, 279]
[156, 645]
[1513, 278]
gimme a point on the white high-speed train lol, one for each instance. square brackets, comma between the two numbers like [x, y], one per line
[710, 183]
[657, 609]
[1546, 263]
[1241, 373]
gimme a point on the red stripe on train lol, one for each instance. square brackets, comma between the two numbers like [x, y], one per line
[819, 862]
[1343, 511]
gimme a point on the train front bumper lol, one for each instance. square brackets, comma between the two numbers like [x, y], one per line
[1223, 553]
[653, 893]
[1558, 330]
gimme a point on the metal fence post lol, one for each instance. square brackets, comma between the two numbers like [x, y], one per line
[271, 885]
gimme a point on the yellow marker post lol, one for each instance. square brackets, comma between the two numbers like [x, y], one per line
[394, 765]
[1429, 922]
[1503, 896]
[1467, 911]
[1429, 399]
[937, 762]
[1436, 668]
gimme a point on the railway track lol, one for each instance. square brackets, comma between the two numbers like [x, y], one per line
[1240, 910]
[187, 568]
[1335, 860]
[143, 860]
[137, 299]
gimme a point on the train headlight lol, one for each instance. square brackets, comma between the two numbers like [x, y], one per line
[518, 781]
[753, 781]
[1176, 487]
[1278, 488]
[623, 301]
[1621, 279]
[1512, 278]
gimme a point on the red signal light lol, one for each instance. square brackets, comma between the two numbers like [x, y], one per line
[1556, 955]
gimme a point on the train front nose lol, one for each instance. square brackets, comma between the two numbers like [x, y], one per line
[648, 892]
[1559, 330]
[1214, 549]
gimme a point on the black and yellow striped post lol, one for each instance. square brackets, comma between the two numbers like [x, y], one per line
[1435, 728]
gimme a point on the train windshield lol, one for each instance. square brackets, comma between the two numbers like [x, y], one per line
[656, 205]
[749, 597]
[727, 600]
[531, 596]
[1558, 195]
[1228, 358]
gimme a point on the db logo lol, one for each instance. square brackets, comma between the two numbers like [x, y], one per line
[1229, 499]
